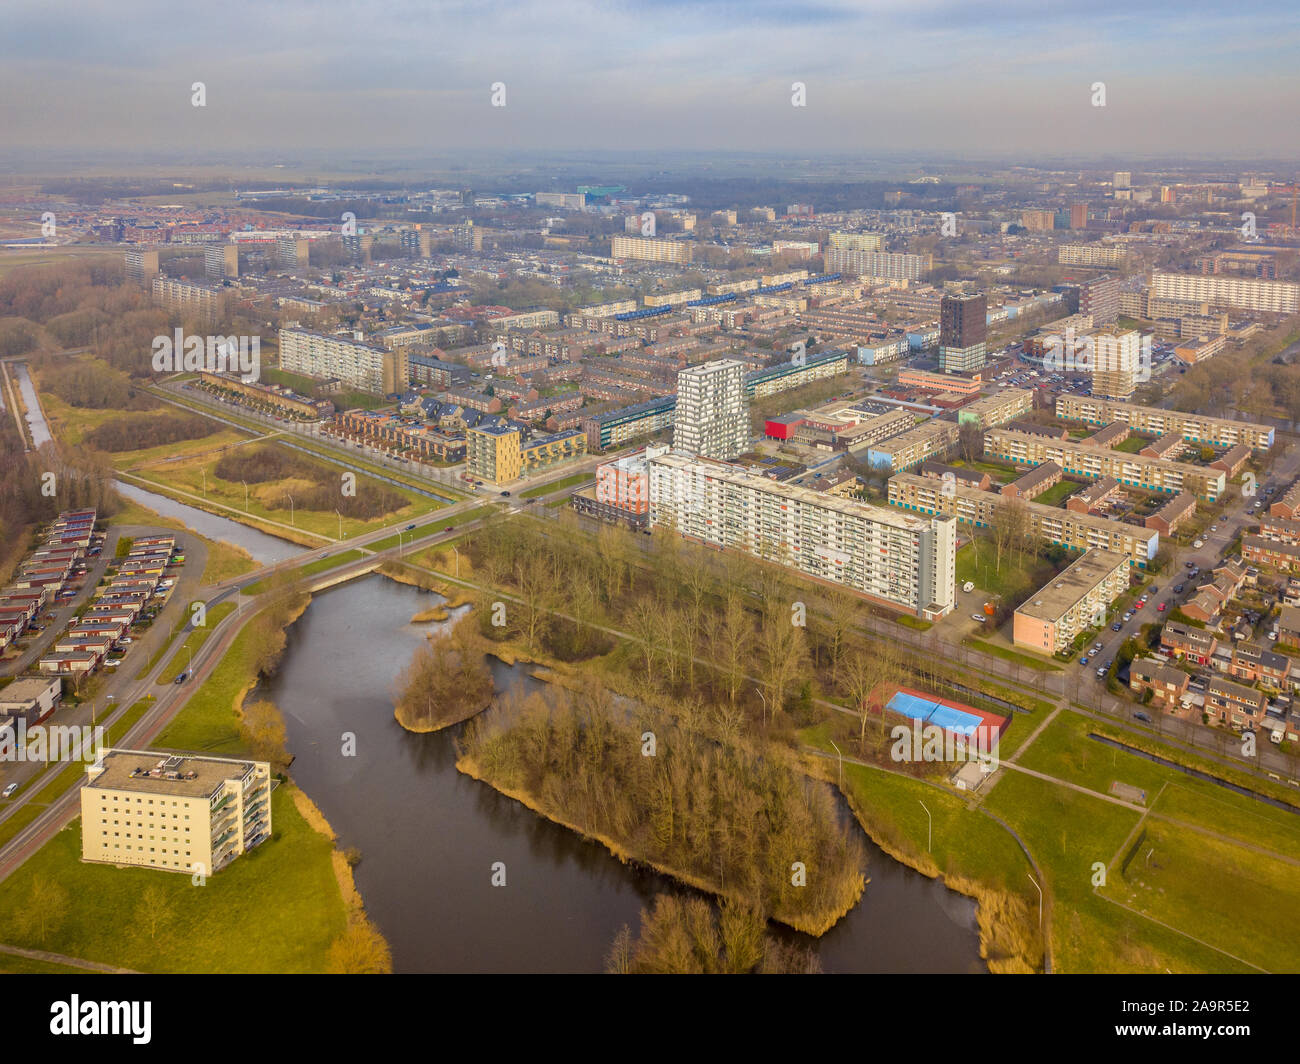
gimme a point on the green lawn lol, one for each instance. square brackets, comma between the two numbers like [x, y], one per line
[1057, 493]
[1068, 833]
[207, 722]
[559, 485]
[194, 640]
[1007, 654]
[1132, 445]
[276, 909]
[977, 562]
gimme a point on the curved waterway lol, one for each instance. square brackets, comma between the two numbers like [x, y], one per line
[429, 836]
[263, 548]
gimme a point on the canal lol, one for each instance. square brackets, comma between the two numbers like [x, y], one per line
[429, 836]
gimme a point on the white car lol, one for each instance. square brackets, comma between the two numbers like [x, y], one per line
[9, 791]
[968, 587]
[978, 618]
[1198, 544]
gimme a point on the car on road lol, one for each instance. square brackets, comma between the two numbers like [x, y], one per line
[1128, 616]
[1178, 588]
[9, 791]
[1188, 565]
[409, 527]
[450, 528]
[1101, 671]
[1142, 717]
[505, 494]
[181, 678]
[978, 618]
[1162, 607]
[1116, 626]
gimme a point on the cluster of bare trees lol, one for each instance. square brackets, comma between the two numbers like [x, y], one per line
[447, 680]
[719, 628]
[138, 432]
[688, 935]
[693, 798]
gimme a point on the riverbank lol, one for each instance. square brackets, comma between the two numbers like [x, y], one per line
[1008, 942]
[811, 924]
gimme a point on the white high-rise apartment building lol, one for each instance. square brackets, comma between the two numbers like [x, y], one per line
[1117, 364]
[712, 416]
[1232, 293]
[908, 562]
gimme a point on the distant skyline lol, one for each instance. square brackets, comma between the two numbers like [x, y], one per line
[882, 76]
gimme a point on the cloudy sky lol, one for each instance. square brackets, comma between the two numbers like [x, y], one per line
[937, 76]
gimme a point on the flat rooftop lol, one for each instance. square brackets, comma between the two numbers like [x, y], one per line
[150, 772]
[1069, 587]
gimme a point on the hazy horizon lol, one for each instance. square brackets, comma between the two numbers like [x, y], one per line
[882, 78]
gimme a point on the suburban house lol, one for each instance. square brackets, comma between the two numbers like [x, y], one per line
[1188, 642]
[1234, 703]
[1166, 683]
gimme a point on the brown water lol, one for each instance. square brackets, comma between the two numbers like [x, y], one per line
[429, 836]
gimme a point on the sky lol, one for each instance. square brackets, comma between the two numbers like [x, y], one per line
[946, 77]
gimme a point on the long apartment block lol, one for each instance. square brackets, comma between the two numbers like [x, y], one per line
[1076, 599]
[1195, 428]
[181, 813]
[1082, 460]
[911, 448]
[903, 561]
[356, 365]
[979, 508]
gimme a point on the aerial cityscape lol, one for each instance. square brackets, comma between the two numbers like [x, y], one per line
[556, 491]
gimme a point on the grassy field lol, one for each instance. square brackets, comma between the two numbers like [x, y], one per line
[193, 474]
[1069, 832]
[559, 485]
[194, 640]
[1132, 445]
[991, 646]
[327, 454]
[1057, 493]
[222, 439]
[977, 562]
[276, 909]
[207, 722]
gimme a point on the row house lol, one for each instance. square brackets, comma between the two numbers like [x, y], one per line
[1255, 663]
[1188, 642]
[1234, 703]
[1168, 685]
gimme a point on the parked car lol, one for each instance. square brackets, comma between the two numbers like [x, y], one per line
[1188, 565]
[1178, 589]
[9, 791]
[1162, 607]
[1083, 660]
[1198, 544]
[978, 618]
[1101, 671]
[1116, 626]
[1142, 717]
[505, 493]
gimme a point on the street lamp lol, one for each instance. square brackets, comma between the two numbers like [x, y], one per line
[457, 553]
[290, 508]
[340, 517]
[205, 481]
[399, 544]
[245, 483]
[764, 698]
[929, 831]
[841, 756]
